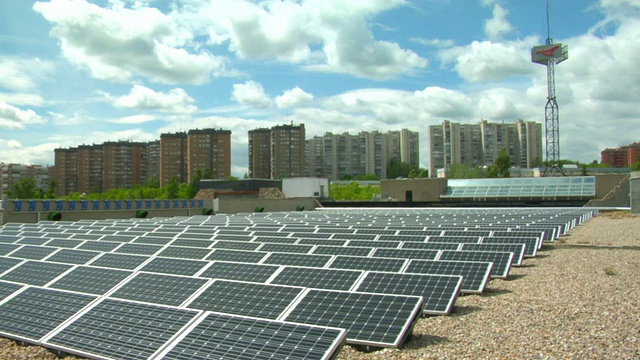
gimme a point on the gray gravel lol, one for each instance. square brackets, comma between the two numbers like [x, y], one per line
[578, 299]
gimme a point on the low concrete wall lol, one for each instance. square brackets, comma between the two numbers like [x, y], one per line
[634, 181]
[233, 206]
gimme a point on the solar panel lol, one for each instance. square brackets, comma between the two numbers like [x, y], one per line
[297, 259]
[324, 242]
[275, 239]
[244, 298]
[117, 238]
[103, 246]
[365, 263]
[121, 330]
[119, 261]
[174, 266]
[85, 236]
[32, 252]
[219, 336]
[7, 289]
[35, 272]
[406, 253]
[71, 256]
[475, 274]
[185, 252]
[7, 248]
[343, 250]
[370, 319]
[438, 291]
[516, 249]
[501, 260]
[7, 263]
[374, 243]
[137, 249]
[192, 243]
[531, 243]
[286, 248]
[454, 239]
[431, 246]
[152, 240]
[90, 280]
[34, 312]
[236, 245]
[159, 288]
[32, 240]
[239, 271]
[7, 239]
[332, 279]
[237, 255]
[64, 243]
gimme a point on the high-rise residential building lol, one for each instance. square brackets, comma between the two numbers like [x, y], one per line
[209, 150]
[336, 156]
[278, 152]
[153, 160]
[89, 165]
[11, 174]
[260, 153]
[66, 171]
[623, 156]
[479, 144]
[123, 164]
[173, 157]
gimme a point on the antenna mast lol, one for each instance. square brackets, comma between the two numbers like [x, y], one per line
[551, 54]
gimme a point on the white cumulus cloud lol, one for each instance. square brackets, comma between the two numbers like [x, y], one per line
[12, 117]
[175, 101]
[293, 97]
[252, 94]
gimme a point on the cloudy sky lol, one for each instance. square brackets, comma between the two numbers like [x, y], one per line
[76, 72]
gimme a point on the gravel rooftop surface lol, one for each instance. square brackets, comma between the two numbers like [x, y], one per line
[578, 299]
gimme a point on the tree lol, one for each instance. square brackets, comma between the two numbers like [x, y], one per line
[500, 167]
[396, 169]
[172, 189]
[25, 189]
[636, 165]
[352, 191]
[464, 171]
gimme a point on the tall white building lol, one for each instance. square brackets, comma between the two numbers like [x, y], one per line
[479, 144]
[334, 156]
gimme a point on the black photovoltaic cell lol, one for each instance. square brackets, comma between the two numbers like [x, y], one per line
[374, 243]
[275, 239]
[7, 289]
[64, 243]
[406, 254]
[119, 261]
[516, 249]
[370, 319]
[185, 252]
[475, 274]
[327, 242]
[103, 246]
[90, 280]
[531, 243]
[332, 279]
[239, 271]
[360, 237]
[248, 299]
[245, 237]
[408, 238]
[122, 330]
[159, 288]
[7, 248]
[7, 263]
[501, 260]
[297, 259]
[192, 243]
[343, 250]
[137, 249]
[174, 266]
[8, 239]
[35, 272]
[236, 245]
[29, 240]
[286, 248]
[32, 252]
[152, 240]
[454, 239]
[86, 236]
[431, 246]
[221, 336]
[35, 312]
[118, 238]
[237, 255]
[438, 291]
[365, 263]
[71, 256]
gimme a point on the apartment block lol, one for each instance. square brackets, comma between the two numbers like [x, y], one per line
[209, 149]
[623, 156]
[11, 173]
[278, 152]
[260, 153]
[153, 160]
[173, 157]
[89, 168]
[123, 164]
[66, 171]
[335, 156]
[479, 144]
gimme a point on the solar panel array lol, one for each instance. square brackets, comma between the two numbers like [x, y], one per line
[297, 284]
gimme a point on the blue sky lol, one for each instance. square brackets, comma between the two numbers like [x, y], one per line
[78, 72]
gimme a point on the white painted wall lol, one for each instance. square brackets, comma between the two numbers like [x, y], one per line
[305, 187]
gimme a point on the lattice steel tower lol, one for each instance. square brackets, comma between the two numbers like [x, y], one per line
[551, 54]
